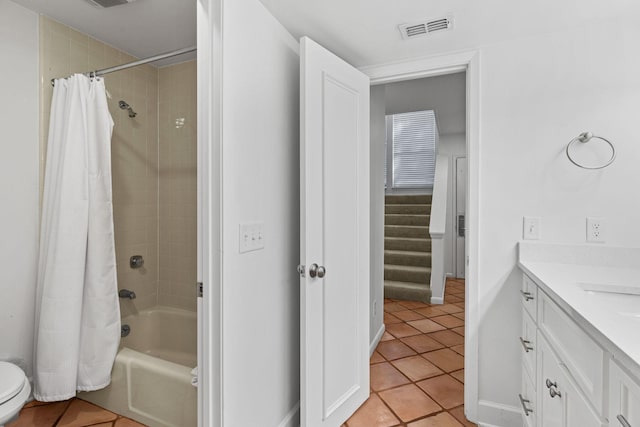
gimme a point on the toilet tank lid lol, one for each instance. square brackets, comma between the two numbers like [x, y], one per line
[12, 381]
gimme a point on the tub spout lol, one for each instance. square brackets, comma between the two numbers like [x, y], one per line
[126, 293]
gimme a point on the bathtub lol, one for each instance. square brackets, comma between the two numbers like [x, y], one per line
[151, 377]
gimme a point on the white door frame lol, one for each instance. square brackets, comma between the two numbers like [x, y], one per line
[468, 61]
[210, 381]
[455, 214]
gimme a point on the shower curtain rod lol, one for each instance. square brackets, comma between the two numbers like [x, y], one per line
[155, 58]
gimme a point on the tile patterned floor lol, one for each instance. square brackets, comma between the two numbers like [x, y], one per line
[69, 413]
[417, 370]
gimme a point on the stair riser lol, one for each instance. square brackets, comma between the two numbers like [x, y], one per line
[409, 259]
[407, 220]
[407, 276]
[408, 231]
[407, 209]
[407, 294]
[408, 245]
[410, 200]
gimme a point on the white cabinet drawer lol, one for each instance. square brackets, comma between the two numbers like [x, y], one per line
[529, 295]
[624, 398]
[560, 403]
[528, 339]
[527, 398]
[581, 355]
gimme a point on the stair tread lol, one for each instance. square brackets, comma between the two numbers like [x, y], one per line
[397, 214]
[412, 268]
[406, 284]
[406, 253]
[405, 226]
[414, 239]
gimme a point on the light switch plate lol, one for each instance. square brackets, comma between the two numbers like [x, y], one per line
[251, 236]
[531, 228]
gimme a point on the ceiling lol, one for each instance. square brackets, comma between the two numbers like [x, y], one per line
[142, 28]
[364, 32]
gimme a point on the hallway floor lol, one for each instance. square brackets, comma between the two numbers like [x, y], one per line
[417, 370]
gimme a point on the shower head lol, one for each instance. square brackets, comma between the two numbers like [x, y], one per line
[124, 106]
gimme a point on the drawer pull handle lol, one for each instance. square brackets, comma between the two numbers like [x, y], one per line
[550, 384]
[527, 295]
[623, 421]
[525, 345]
[553, 392]
[524, 402]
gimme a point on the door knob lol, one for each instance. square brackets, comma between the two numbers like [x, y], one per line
[315, 270]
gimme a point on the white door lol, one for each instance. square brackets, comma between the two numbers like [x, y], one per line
[334, 225]
[460, 209]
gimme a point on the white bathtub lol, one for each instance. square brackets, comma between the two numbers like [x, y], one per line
[151, 378]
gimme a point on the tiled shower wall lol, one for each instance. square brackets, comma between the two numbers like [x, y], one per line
[139, 183]
[178, 191]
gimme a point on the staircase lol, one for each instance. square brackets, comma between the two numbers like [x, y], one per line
[407, 248]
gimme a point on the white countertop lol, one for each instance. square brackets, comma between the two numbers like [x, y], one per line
[573, 276]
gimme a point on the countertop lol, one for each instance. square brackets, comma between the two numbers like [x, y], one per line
[574, 276]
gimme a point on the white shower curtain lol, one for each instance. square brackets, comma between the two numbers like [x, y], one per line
[77, 306]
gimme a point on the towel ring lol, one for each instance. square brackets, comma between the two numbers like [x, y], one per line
[584, 138]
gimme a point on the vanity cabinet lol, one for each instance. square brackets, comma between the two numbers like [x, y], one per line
[624, 398]
[563, 369]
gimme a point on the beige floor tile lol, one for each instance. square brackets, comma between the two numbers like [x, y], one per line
[458, 413]
[385, 376]
[126, 422]
[390, 319]
[430, 311]
[376, 358]
[401, 330]
[395, 349]
[393, 306]
[373, 413]
[447, 338]
[459, 331]
[422, 343]
[409, 402]
[81, 413]
[458, 349]
[408, 315]
[451, 308]
[445, 359]
[443, 419]
[459, 375]
[426, 325]
[445, 390]
[416, 368]
[41, 415]
[448, 321]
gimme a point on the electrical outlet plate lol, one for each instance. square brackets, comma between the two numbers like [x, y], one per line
[531, 228]
[251, 236]
[595, 230]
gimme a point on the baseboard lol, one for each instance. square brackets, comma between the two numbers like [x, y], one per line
[492, 414]
[292, 419]
[376, 340]
[437, 300]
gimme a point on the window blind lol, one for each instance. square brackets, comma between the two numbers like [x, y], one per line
[414, 149]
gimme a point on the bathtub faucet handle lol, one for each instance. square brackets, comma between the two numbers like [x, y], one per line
[126, 293]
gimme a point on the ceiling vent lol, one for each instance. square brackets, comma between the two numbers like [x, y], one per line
[424, 28]
[108, 3]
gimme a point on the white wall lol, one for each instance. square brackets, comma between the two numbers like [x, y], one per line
[444, 94]
[537, 94]
[18, 180]
[452, 146]
[260, 182]
[377, 159]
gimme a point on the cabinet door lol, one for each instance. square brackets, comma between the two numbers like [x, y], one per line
[560, 402]
[624, 398]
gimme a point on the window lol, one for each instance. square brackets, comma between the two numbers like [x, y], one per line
[411, 154]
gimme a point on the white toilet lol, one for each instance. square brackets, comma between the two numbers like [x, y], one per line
[14, 391]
